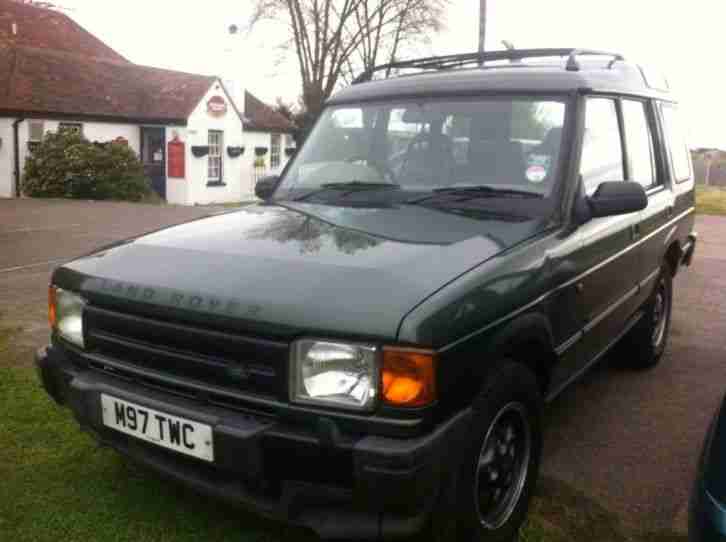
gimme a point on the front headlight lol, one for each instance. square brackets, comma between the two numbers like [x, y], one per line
[334, 374]
[65, 314]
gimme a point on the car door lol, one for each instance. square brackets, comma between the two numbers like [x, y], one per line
[647, 165]
[608, 257]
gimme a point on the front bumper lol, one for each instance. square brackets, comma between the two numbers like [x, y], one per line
[352, 486]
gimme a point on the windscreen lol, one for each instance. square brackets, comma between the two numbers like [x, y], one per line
[432, 145]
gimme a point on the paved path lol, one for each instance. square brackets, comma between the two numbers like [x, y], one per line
[629, 439]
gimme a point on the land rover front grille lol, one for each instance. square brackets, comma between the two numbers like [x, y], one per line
[188, 360]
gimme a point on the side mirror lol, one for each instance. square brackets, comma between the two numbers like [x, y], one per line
[266, 186]
[617, 198]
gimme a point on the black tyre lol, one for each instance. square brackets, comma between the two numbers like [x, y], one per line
[488, 497]
[643, 346]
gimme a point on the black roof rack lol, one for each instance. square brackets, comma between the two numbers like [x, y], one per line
[448, 62]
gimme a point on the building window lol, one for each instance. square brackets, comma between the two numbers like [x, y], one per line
[72, 126]
[216, 144]
[275, 150]
[35, 129]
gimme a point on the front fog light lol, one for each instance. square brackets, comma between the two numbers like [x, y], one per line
[334, 374]
[65, 311]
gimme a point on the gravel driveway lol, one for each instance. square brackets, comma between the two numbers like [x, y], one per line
[629, 439]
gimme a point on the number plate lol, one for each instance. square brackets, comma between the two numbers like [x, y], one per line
[179, 434]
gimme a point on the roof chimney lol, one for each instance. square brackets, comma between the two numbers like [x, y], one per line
[14, 26]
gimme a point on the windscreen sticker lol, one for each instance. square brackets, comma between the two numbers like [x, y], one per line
[538, 166]
[536, 174]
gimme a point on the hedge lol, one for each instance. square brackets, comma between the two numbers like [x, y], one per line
[66, 165]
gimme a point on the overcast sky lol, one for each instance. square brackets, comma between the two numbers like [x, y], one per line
[685, 39]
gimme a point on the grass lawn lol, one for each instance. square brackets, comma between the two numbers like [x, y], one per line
[710, 201]
[57, 484]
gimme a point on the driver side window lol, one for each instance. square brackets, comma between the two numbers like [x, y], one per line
[602, 152]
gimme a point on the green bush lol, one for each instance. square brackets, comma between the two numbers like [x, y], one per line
[66, 165]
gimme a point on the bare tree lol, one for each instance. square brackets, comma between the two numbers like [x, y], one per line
[412, 23]
[334, 39]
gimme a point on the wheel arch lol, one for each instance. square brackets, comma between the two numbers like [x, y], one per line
[527, 340]
[673, 256]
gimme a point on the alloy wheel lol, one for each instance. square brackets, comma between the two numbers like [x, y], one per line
[503, 465]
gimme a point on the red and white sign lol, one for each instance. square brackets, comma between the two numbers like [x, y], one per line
[217, 106]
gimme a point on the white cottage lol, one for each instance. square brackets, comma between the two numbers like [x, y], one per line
[197, 144]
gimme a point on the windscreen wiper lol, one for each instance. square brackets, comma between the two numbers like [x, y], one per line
[351, 186]
[478, 191]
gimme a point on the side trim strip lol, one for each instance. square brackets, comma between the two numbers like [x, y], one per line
[572, 341]
[626, 250]
[610, 309]
[634, 320]
[646, 280]
[604, 314]
[562, 286]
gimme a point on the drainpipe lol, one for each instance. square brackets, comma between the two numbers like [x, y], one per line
[16, 150]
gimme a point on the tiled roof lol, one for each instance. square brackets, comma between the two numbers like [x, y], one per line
[49, 29]
[260, 116]
[53, 66]
[45, 81]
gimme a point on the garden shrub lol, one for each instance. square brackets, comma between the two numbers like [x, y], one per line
[66, 165]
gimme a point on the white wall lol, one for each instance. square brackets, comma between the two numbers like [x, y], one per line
[197, 133]
[101, 131]
[7, 177]
[238, 172]
[252, 140]
[261, 139]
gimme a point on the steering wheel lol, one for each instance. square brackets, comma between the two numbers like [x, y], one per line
[382, 169]
[421, 137]
[447, 146]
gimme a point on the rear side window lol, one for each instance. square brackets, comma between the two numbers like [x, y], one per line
[602, 152]
[639, 142]
[676, 140]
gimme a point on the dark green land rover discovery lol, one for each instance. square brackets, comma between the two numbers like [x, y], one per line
[368, 351]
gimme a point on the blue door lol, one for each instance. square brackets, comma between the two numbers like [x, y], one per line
[153, 156]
